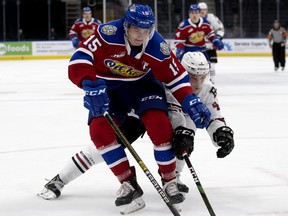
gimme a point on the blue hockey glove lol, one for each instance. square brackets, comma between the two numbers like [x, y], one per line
[179, 53]
[75, 42]
[197, 111]
[218, 43]
[96, 98]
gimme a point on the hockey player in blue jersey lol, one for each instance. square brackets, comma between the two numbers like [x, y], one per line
[123, 66]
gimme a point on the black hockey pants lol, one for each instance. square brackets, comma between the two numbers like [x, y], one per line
[278, 52]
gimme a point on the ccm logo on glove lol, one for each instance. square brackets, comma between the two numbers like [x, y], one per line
[194, 101]
[94, 93]
[184, 132]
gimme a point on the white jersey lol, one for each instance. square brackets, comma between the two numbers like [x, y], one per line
[208, 96]
[217, 26]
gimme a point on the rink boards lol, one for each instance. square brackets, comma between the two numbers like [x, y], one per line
[28, 50]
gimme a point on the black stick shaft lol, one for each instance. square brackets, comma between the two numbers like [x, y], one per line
[199, 186]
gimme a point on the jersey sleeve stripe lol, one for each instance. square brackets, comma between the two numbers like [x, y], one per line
[211, 34]
[179, 86]
[182, 76]
[80, 62]
[82, 56]
[72, 32]
[86, 52]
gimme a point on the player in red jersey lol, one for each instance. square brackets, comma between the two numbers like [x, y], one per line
[83, 27]
[121, 67]
[191, 33]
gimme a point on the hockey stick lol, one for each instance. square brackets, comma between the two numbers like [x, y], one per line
[198, 183]
[141, 164]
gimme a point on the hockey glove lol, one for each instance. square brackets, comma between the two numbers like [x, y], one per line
[179, 53]
[197, 111]
[183, 141]
[75, 42]
[224, 138]
[218, 43]
[96, 98]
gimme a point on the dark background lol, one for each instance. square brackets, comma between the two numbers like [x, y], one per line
[34, 17]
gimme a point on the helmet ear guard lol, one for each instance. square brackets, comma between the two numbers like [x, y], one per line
[195, 63]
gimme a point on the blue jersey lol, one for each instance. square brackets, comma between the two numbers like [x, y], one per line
[107, 55]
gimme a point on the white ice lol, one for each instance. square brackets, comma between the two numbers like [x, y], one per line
[43, 124]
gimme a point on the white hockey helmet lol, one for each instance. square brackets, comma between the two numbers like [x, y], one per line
[203, 6]
[195, 63]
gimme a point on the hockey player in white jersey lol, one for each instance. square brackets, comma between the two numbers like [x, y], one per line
[221, 135]
[219, 30]
[184, 129]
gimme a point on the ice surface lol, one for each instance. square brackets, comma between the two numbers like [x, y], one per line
[43, 124]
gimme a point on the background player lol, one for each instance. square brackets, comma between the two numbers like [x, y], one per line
[219, 31]
[83, 27]
[191, 33]
[277, 40]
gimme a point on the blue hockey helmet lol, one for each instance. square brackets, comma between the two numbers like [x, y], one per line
[86, 10]
[194, 7]
[140, 16]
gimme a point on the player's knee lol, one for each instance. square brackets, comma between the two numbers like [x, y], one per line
[91, 154]
[101, 132]
[158, 126]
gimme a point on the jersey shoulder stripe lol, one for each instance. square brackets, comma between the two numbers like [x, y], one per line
[82, 54]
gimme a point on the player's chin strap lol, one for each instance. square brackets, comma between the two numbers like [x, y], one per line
[198, 183]
[141, 163]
